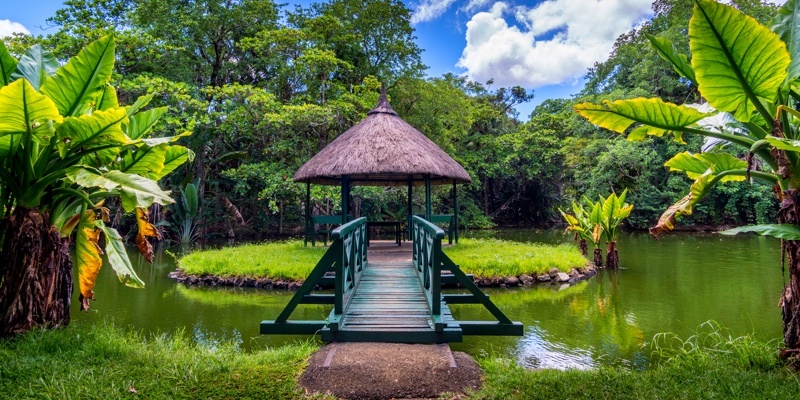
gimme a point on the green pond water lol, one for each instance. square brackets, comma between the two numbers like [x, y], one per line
[674, 284]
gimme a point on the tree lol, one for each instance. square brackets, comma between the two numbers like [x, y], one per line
[750, 96]
[374, 36]
[66, 145]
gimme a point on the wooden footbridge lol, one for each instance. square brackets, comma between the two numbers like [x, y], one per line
[390, 301]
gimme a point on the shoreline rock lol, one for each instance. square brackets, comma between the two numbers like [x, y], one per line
[553, 277]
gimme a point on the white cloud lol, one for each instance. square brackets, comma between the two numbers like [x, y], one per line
[428, 10]
[473, 5]
[9, 27]
[558, 39]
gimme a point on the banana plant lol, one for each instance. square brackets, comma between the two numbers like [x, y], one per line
[614, 210]
[748, 75]
[66, 145]
[584, 223]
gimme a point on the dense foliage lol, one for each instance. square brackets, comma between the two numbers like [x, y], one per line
[263, 87]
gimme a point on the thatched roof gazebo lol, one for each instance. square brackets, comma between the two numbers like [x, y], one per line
[382, 150]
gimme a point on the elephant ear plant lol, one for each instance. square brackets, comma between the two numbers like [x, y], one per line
[748, 75]
[66, 145]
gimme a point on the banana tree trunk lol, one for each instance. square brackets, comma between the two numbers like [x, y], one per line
[35, 274]
[584, 248]
[612, 258]
[789, 303]
[598, 257]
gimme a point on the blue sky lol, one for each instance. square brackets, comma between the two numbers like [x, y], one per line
[542, 45]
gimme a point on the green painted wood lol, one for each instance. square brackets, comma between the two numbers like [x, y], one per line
[455, 210]
[390, 301]
[308, 285]
[319, 299]
[309, 226]
[292, 327]
[475, 290]
[491, 328]
[450, 279]
[467, 298]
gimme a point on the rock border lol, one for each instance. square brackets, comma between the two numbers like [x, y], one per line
[553, 277]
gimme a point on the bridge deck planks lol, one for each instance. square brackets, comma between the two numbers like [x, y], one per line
[389, 304]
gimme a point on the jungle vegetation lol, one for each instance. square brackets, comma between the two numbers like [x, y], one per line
[262, 88]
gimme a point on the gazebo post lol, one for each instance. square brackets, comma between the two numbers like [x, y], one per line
[455, 210]
[410, 209]
[308, 214]
[345, 197]
[428, 197]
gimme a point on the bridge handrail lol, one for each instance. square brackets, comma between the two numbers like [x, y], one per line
[343, 230]
[427, 241]
[350, 263]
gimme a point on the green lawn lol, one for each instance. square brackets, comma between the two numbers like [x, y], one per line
[279, 260]
[108, 362]
[493, 257]
[291, 260]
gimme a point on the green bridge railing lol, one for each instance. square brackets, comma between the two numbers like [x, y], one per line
[430, 261]
[347, 257]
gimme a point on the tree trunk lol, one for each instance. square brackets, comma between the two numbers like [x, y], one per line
[612, 258]
[598, 257]
[789, 303]
[584, 248]
[35, 274]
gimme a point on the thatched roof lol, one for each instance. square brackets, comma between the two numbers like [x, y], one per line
[382, 150]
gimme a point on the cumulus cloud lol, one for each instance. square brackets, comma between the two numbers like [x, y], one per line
[9, 27]
[428, 10]
[553, 42]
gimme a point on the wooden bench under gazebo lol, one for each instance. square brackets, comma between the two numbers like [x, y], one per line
[387, 301]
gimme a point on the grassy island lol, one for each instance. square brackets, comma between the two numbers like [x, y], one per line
[292, 261]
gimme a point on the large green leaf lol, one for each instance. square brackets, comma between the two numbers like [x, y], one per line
[82, 78]
[174, 157]
[780, 231]
[739, 64]
[135, 191]
[783, 143]
[654, 115]
[140, 123]
[100, 129]
[7, 65]
[36, 66]
[23, 110]
[787, 26]
[696, 165]
[118, 257]
[107, 99]
[679, 61]
[144, 161]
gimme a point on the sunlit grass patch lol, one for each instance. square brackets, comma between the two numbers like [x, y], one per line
[709, 364]
[279, 260]
[494, 257]
[104, 361]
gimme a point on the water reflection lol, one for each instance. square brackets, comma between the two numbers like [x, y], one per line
[671, 285]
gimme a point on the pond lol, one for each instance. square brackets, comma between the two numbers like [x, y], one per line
[671, 285]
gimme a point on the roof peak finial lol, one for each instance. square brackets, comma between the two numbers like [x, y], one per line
[383, 103]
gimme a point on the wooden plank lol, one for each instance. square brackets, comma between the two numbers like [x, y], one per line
[292, 327]
[491, 328]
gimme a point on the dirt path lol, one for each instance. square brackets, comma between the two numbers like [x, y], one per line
[389, 370]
